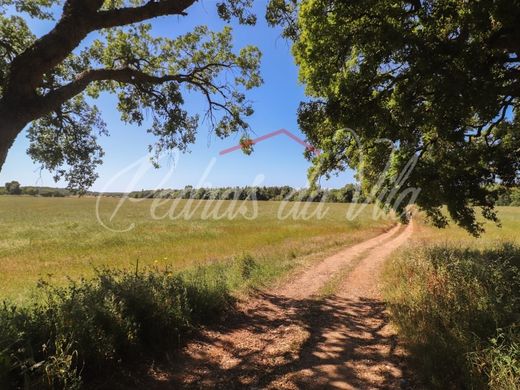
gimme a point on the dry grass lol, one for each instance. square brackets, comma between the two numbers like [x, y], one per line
[456, 302]
[60, 238]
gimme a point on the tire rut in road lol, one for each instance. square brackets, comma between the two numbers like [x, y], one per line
[288, 339]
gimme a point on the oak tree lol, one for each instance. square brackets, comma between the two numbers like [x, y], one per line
[49, 83]
[13, 188]
[438, 80]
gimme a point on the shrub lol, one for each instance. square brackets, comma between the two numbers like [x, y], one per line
[92, 327]
[515, 197]
[208, 293]
[452, 306]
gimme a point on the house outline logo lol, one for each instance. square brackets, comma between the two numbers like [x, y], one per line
[273, 134]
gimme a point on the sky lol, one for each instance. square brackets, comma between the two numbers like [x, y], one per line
[276, 161]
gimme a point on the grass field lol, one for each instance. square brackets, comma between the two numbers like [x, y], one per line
[456, 302]
[455, 299]
[60, 238]
[508, 231]
[73, 331]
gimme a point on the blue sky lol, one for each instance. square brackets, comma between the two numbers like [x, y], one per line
[277, 161]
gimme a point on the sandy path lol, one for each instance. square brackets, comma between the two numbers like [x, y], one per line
[354, 346]
[311, 280]
[288, 339]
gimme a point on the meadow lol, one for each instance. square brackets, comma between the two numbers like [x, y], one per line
[83, 301]
[456, 302]
[61, 238]
[108, 296]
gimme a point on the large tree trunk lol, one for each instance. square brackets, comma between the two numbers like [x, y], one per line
[5, 145]
[11, 124]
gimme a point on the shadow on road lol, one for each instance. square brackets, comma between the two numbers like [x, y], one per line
[280, 343]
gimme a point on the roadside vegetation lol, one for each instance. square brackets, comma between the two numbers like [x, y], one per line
[89, 330]
[456, 302]
[93, 328]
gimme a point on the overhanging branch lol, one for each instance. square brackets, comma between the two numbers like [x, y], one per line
[79, 18]
[129, 76]
[152, 9]
[124, 75]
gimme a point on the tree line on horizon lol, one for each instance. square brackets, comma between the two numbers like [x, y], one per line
[346, 194]
[350, 193]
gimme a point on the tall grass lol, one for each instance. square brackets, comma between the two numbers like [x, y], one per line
[92, 327]
[459, 310]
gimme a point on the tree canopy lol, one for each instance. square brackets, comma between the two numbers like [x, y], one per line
[13, 188]
[50, 82]
[438, 79]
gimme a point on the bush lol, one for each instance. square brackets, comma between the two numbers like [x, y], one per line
[92, 327]
[515, 197]
[13, 188]
[459, 311]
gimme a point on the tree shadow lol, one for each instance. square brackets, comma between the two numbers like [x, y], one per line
[276, 342]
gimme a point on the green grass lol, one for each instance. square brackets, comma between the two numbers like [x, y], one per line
[60, 238]
[507, 232]
[85, 323]
[94, 330]
[456, 302]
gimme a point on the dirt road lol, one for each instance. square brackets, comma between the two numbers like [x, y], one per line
[291, 339]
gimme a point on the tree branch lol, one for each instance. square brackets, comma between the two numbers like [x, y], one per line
[152, 9]
[79, 18]
[128, 76]
[487, 128]
[123, 75]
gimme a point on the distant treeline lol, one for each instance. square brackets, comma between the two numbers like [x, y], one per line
[14, 188]
[350, 193]
[347, 194]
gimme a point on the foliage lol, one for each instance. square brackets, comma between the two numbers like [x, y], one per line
[49, 82]
[347, 194]
[431, 82]
[500, 361]
[458, 309]
[508, 196]
[66, 145]
[13, 188]
[86, 330]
